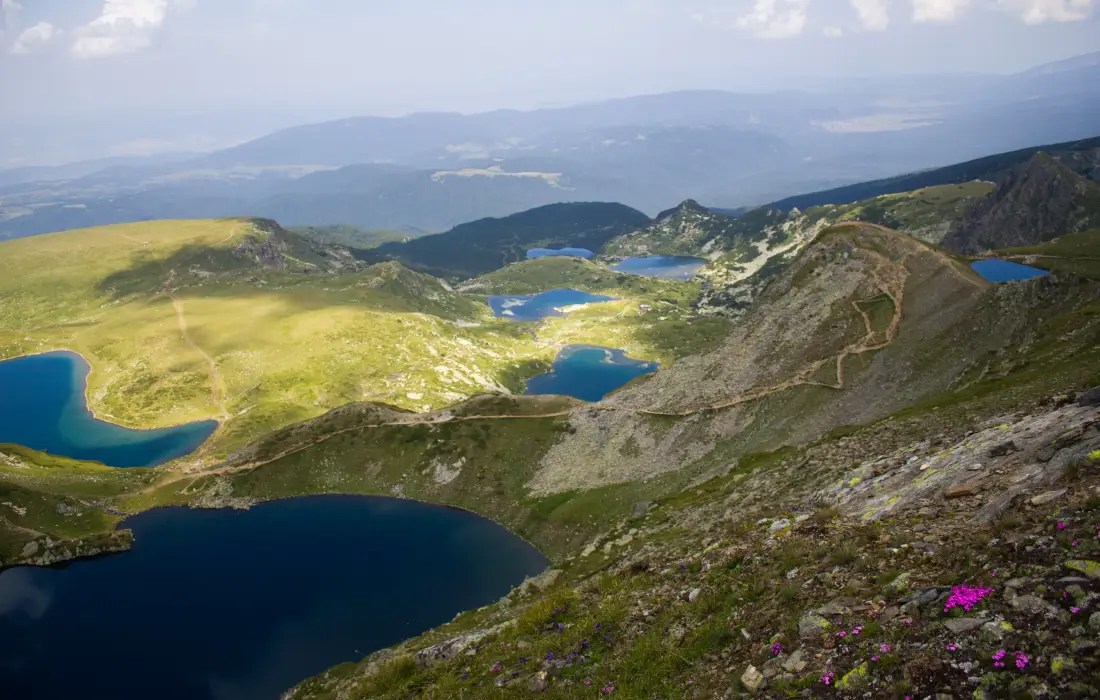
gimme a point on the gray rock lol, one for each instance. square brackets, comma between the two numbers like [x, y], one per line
[836, 606]
[694, 595]
[641, 508]
[30, 549]
[1067, 581]
[922, 597]
[774, 666]
[812, 626]
[1048, 497]
[959, 625]
[794, 662]
[1094, 621]
[1034, 605]
[1021, 582]
[1090, 397]
[996, 631]
[781, 524]
[898, 586]
[1081, 645]
[752, 679]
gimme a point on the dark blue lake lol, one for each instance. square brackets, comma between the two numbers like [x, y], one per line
[539, 306]
[242, 605]
[589, 372]
[996, 270]
[666, 266]
[546, 252]
[42, 406]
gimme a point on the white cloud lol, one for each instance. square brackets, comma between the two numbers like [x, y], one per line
[775, 19]
[1041, 11]
[833, 32]
[123, 26]
[937, 10]
[32, 38]
[872, 14]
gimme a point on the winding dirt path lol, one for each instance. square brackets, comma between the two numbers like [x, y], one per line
[890, 277]
[217, 387]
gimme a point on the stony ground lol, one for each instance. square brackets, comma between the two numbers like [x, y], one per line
[908, 559]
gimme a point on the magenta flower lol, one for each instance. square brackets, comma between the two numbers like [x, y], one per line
[885, 648]
[496, 668]
[965, 597]
[1075, 610]
[777, 649]
[952, 647]
[874, 658]
[1021, 660]
[827, 679]
[1061, 525]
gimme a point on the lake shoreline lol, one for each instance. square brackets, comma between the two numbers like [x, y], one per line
[111, 419]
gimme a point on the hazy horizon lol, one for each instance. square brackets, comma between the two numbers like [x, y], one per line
[95, 78]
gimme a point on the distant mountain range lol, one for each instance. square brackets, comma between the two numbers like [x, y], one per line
[434, 171]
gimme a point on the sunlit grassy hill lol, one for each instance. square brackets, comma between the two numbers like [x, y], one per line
[239, 320]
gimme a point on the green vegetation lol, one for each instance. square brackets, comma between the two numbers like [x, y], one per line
[291, 329]
[354, 236]
[1074, 254]
[482, 246]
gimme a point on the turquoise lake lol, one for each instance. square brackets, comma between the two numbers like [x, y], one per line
[538, 306]
[548, 252]
[243, 605]
[42, 406]
[589, 372]
[666, 266]
[996, 270]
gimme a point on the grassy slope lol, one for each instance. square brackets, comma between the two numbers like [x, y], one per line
[624, 607]
[1075, 254]
[354, 236]
[288, 345]
[666, 332]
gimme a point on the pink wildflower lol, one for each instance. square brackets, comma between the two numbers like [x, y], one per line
[874, 658]
[857, 629]
[885, 648]
[1075, 610]
[827, 679]
[842, 633]
[1021, 660]
[496, 668]
[1061, 525]
[965, 597]
[952, 647]
[777, 649]
[1073, 544]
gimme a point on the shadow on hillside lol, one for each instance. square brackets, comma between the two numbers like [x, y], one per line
[148, 273]
[515, 376]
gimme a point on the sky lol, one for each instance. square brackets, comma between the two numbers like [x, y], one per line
[145, 76]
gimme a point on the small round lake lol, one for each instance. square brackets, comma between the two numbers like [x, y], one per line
[666, 266]
[589, 372]
[538, 306]
[42, 406]
[996, 270]
[242, 605]
[549, 252]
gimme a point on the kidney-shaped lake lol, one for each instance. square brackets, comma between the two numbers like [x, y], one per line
[535, 307]
[241, 605]
[42, 406]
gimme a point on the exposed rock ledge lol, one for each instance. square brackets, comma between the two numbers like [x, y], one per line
[47, 551]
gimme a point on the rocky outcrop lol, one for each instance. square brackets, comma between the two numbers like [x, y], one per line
[1036, 202]
[689, 229]
[46, 550]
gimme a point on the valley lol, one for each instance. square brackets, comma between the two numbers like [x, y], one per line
[830, 405]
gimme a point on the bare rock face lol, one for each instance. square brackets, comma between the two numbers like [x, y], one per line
[1034, 203]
